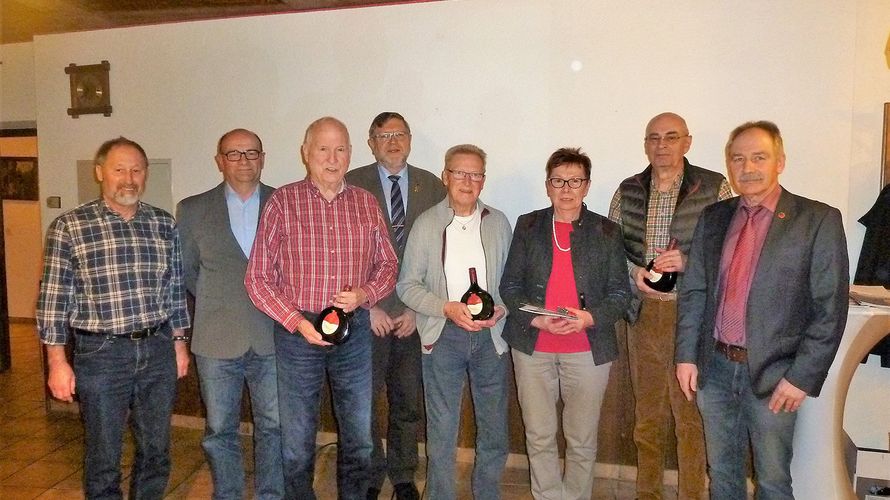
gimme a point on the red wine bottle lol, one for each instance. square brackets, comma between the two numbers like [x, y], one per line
[478, 301]
[661, 281]
[333, 323]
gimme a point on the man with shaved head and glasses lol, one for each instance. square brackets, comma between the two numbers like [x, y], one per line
[662, 202]
[231, 338]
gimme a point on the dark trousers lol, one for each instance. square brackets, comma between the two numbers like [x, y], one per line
[397, 367]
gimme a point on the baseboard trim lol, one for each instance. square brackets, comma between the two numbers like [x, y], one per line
[464, 455]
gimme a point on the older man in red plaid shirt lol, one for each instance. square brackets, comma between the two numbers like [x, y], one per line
[317, 237]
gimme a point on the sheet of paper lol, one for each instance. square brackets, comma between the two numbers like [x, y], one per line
[544, 312]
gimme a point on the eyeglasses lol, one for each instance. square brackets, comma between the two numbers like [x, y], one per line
[461, 175]
[669, 139]
[235, 155]
[574, 182]
[385, 136]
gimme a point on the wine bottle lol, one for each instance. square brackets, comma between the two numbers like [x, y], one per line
[659, 280]
[333, 323]
[478, 301]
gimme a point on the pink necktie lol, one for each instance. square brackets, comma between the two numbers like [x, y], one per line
[734, 297]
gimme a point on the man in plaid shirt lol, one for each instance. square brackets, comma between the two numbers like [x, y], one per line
[661, 202]
[112, 281]
[316, 237]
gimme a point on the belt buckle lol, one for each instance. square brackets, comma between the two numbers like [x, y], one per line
[145, 332]
[137, 335]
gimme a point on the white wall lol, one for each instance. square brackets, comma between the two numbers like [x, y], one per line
[493, 73]
[17, 90]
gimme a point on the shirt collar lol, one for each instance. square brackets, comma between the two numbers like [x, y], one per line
[675, 186]
[384, 173]
[770, 202]
[231, 195]
[106, 210]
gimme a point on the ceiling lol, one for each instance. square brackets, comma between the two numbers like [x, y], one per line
[22, 19]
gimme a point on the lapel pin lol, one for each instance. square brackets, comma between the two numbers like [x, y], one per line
[781, 215]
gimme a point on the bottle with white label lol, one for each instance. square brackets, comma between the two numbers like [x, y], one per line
[478, 301]
[659, 280]
[333, 323]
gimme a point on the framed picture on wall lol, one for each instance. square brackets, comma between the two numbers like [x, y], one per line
[18, 178]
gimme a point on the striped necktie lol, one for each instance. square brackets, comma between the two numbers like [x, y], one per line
[397, 211]
[735, 298]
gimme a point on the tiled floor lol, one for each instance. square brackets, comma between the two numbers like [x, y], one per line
[40, 453]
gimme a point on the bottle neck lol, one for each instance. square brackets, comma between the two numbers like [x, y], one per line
[473, 280]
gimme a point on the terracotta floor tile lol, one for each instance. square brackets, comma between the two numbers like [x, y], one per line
[74, 482]
[199, 485]
[31, 450]
[19, 493]
[70, 453]
[61, 494]
[9, 467]
[40, 475]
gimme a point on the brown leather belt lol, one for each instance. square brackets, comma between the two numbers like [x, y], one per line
[733, 353]
[137, 335]
[661, 297]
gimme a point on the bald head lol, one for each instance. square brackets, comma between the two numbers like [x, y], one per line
[667, 141]
[324, 122]
[673, 118]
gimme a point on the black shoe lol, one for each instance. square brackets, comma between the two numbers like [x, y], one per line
[406, 491]
[372, 493]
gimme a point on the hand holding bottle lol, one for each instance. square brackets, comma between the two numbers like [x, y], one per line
[459, 313]
[662, 270]
[308, 331]
[499, 312]
[332, 323]
[350, 298]
[670, 260]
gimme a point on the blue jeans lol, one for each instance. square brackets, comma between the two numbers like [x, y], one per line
[114, 376]
[301, 371]
[731, 414]
[456, 354]
[222, 383]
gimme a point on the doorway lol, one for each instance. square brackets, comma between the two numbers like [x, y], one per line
[21, 242]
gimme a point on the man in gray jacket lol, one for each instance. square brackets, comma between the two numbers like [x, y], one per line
[232, 340]
[458, 234]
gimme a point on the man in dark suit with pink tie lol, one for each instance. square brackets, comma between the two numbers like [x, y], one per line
[762, 309]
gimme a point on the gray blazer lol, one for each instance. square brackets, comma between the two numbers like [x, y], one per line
[226, 322]
[797, 307]
[424, 191]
